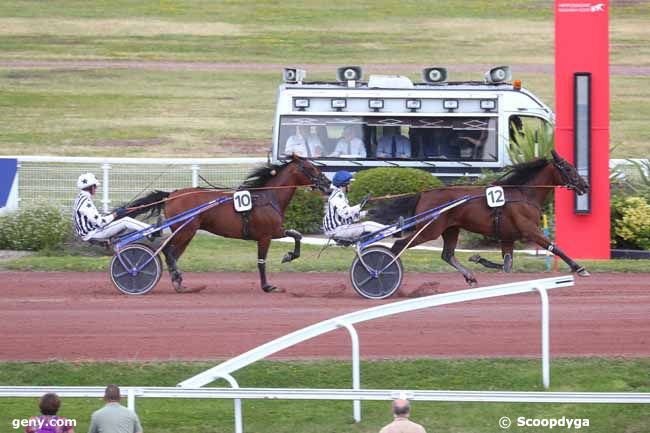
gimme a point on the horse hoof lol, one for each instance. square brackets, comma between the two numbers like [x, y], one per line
[287, 257]
[582, 272]
[475, 258]
[272, 289]
[182, 289]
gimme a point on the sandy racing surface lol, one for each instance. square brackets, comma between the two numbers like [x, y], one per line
[80, 316]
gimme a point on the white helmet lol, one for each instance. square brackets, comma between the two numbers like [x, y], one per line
[86, 180]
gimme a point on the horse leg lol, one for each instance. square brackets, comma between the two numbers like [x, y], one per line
[173, 252]
[506, 253]
[507, 249]
[450, 238]
[538, 237]
[262, 249]
[293, 255]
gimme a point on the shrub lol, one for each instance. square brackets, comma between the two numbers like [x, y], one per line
[305, 212]
[631, 223]
[389, 181]
[34, 228]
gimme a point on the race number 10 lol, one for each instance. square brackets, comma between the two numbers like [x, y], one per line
[495, 196]
[242, 201]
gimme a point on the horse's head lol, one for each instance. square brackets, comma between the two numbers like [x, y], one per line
[568, 175]
[308, 174]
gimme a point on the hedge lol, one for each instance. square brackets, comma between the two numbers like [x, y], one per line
[305, 212]
[383, 181]
[34, 229]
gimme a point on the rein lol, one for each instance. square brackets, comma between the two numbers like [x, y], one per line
[389, 196]
[210, 190]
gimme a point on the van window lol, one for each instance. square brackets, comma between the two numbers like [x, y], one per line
[377, 137]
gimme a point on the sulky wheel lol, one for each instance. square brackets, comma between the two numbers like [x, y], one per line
[383, 274]
[126, 273]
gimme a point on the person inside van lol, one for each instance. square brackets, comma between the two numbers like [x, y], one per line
[393, 144]
[350, 145]
[304, 143]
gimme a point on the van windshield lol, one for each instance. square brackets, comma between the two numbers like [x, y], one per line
[464, 138]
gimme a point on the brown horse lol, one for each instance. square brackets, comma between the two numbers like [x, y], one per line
[526, 187]
[271, 188]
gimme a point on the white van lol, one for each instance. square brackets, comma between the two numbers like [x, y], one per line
[451, 129]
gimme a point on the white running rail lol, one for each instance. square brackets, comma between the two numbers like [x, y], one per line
[225, 369]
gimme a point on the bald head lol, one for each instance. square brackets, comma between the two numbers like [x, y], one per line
[401, 407]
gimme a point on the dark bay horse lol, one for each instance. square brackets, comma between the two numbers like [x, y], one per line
[526, 187]
[271, 188]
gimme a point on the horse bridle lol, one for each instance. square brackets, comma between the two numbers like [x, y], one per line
[570, 177]
[314, 180]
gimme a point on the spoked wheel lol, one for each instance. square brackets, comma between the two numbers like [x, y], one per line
[126, 273]
[383, 274]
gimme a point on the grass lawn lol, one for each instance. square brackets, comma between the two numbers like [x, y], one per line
[180, 416]
[208, 253]
[183, 112]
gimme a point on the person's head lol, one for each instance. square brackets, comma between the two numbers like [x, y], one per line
[401, 408]
[349, 132]
[303, 130]
[112, 394]
[87, 182]
[342, 179]
[49, 404]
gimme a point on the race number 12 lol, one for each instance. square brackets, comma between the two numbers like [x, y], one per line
[495, 196]
[242, 201]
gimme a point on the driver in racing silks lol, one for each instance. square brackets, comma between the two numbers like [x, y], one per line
[90, 224]
[341, 220]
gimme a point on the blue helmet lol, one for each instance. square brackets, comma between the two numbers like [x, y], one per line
[342, 178]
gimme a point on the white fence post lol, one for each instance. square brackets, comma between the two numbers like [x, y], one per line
[105, 198]
[356, 370]
[546, 362]
[130, 399]
[239, 423]
[195, 175]
[18, 184]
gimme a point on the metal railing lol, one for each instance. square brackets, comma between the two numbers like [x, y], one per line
[47, 179]
[51, 179]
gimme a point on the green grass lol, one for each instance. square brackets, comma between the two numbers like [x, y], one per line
[185, 416]
[107, 112]
[215, 254]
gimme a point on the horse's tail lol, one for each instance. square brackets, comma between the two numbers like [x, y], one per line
[388, 211]
[151, 204]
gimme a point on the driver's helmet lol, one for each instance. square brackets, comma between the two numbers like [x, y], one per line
[86, 180]
[342, 178]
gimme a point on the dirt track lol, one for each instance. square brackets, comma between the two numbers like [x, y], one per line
[80, 316]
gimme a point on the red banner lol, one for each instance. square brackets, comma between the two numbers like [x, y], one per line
[582, 46]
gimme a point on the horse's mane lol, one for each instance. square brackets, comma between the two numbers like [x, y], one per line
[522, 173]
[260, 175]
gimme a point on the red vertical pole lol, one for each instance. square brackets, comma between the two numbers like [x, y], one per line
[582, 45]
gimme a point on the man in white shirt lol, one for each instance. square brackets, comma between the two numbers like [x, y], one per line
[350, 145]
[304, 143]
[90, 224]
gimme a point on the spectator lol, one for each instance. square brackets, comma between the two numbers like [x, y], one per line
[350, 145]
[393, 144]
[48, 421]
[304, 143]
[113, 417]
[402, 424]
